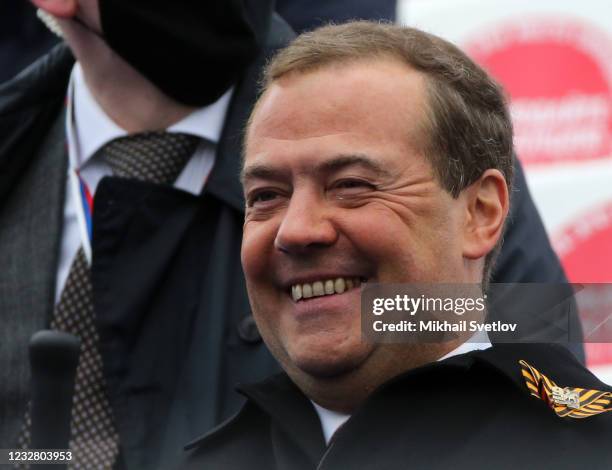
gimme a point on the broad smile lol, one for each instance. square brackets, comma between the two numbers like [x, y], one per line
[324, 287]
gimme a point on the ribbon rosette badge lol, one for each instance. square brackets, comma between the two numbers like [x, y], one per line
[568, 402]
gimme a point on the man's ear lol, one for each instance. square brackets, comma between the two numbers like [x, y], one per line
[58, 8]
[487, 208]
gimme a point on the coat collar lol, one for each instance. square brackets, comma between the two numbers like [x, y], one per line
[280, 399]
[284, 403]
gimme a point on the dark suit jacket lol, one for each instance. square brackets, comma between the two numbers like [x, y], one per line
[471, 412]
[175, 329]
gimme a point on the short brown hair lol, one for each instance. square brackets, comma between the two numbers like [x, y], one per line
[467, 127]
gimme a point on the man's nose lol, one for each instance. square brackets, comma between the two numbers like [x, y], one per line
[307, 223]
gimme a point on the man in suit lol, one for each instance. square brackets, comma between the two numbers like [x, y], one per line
[383, 154]
[163, 252]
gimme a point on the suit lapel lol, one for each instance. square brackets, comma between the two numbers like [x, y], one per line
[30, 104]
[31, 221]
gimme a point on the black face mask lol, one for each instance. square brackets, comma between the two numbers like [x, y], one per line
[191, 50]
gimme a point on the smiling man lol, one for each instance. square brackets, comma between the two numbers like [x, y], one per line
[382, 154]
[340, 189]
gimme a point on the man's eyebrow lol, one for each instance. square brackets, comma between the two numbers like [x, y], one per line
[338, 162]
[341, 161]
[261, 171]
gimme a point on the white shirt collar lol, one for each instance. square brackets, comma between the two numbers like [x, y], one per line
[332, 420]
[477, 342]
[94, 128]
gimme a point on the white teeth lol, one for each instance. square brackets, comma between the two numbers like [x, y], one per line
[317, 289]
[306, 291]
[296, 292]
[320, 288]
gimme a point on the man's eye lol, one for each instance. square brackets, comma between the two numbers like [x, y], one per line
[262, 197]
[352, 186]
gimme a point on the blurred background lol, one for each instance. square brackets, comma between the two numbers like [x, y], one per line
[555, 62]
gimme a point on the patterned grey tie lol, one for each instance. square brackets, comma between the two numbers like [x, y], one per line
[158, 157]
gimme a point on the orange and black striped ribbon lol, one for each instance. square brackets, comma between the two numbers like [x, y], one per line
[568, 402]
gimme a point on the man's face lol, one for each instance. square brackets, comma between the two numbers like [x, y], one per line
[338, 193]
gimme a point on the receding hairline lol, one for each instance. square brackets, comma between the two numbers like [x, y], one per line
[337, 43]
[373, 56]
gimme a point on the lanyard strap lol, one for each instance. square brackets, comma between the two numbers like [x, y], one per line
[87, 203]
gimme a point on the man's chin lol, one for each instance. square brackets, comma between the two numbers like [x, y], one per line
[327, 367]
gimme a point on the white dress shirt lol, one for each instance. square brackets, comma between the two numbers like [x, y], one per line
[88, 128]
[332, 420]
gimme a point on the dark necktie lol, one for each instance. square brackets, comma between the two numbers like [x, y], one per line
[158, 157]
